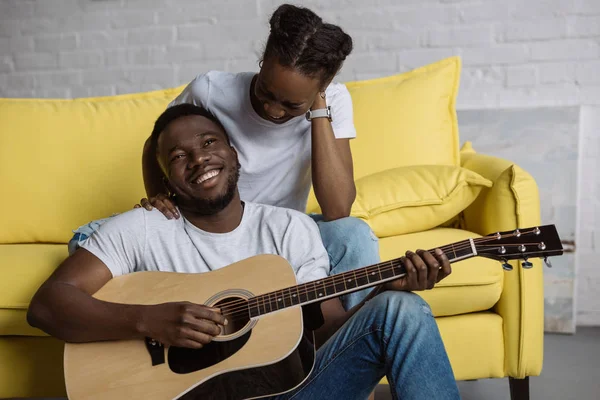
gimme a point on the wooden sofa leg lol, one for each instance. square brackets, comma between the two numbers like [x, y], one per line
[372, 396]
[519, 388]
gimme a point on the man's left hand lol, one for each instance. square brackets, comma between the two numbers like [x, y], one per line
[423, 271]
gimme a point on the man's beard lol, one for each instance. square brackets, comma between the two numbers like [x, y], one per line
[214, 205]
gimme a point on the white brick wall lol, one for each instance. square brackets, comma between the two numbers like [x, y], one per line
[516, 53]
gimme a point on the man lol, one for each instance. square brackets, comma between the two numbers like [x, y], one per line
[391, 334]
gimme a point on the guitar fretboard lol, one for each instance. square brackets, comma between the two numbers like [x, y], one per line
[346, 282]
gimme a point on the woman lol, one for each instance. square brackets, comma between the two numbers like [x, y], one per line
[291, 127]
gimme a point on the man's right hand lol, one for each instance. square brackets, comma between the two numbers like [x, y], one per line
[163, 203]
[181, 324]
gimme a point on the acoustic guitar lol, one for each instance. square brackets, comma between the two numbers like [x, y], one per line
[265, 349]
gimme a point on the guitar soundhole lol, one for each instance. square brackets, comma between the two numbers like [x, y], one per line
[235, 309]
[184, 361]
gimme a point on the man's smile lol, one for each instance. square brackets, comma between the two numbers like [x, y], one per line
[206, 179]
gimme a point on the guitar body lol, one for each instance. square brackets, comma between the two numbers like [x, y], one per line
[252, 358]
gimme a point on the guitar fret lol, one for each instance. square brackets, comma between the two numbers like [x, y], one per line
[372, 275]
[355, 281]
[388, 271]
[330, 286]
[263, 304]
[454, 251]
[339, 286]
[303, 295]
[253, 309]
[279, 300]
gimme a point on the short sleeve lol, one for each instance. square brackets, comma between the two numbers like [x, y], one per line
[338, 98]
[120, 242]
[197, 92]
[303, 248]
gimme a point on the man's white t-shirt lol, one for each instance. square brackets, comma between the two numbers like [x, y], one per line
[275, 158]
[141, 240]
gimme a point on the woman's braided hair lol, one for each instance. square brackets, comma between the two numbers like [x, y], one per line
[300, 39]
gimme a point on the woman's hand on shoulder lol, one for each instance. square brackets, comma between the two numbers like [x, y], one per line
[163, 203]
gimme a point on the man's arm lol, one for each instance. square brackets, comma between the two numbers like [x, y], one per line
[64, 307]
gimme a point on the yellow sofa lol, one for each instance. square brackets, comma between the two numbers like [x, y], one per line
[66, 162]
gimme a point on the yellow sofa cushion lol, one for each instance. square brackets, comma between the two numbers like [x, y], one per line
[31, 367]
[474, 285]
[416, 198]
[406, 119]
[23, 268]
[71, 161]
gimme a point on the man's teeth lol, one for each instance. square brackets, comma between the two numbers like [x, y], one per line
[208, 175]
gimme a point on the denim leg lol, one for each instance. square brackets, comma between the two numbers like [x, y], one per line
[351, 244]
[84, 232]
[392, 335]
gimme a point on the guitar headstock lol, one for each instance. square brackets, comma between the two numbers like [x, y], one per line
[520, 244]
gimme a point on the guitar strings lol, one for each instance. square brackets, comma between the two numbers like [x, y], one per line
[358, 274]
[244, 312]
[242, 304]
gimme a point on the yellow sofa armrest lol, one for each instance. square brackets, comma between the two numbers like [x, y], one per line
[512, 202]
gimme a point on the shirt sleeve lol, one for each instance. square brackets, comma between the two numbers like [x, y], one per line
[196, 92]
[120, 242]
[303, 248]
[338, 98]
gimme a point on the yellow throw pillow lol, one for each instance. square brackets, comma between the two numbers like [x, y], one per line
[415, 198]
[406, 119]
[64, 163]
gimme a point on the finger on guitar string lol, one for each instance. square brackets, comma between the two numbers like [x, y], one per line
[203, 312]
[412, 275]
[420, 268]
[433, 267]
[443, 260]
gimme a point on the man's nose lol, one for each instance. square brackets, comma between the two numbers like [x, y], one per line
[273, 110]
[200, 156]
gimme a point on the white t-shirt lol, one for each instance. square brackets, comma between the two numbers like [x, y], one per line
[141, 240]
[275, 158]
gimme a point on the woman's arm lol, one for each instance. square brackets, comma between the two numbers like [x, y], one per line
[332, 170]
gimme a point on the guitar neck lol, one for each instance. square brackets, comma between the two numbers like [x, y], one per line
[347, 282]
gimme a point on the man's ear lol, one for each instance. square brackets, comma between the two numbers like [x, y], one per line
[167, 185]
[237, 159]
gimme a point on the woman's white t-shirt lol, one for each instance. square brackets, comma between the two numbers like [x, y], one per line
[275, 158]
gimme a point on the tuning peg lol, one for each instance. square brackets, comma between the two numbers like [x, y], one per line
[547, 262]
[507, 266]
[526, 264]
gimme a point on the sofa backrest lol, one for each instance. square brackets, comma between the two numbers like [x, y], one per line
[64, 163]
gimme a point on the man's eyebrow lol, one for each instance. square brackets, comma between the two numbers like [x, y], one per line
[197, 135]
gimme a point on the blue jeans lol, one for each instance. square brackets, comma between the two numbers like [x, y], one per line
[350, 244]
[392, 335]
